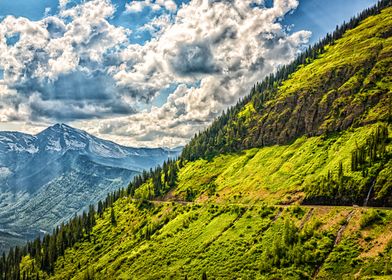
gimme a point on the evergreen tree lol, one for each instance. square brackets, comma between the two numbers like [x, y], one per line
[113, 217]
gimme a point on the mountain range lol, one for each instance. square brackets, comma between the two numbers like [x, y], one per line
[47, 178]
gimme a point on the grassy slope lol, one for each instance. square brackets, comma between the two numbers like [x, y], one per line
[348, 84]
[276, 174]
[229, 230]
[221, 240]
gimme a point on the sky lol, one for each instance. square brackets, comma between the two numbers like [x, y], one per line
[148, 73]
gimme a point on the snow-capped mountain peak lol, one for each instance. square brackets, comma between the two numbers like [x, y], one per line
[56, 140]
[46, 178]
[61, 137]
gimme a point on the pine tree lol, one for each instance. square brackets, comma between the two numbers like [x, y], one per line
[113, 217]
[100, 208]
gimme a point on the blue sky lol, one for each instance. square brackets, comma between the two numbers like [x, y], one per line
[36, 10]
[321, 17]
[147, 72]
[314, 15]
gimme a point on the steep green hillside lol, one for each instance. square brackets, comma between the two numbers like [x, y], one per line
[255, 196]
[284, 174]
[348, 84]
[322, 135]
[289, 173]
[174, 241]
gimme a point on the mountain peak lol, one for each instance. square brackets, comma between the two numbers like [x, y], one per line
[63, 129]
[61, 126]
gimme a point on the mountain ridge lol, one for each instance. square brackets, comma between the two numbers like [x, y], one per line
[324, 90]
[56, 159]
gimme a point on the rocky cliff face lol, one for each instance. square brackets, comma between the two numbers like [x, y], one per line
[347, 85]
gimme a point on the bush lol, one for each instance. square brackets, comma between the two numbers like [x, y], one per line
[370, 218]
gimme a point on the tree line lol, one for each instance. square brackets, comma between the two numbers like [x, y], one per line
[337, 188]
[163, 178]
[45, 251]
[373, 150]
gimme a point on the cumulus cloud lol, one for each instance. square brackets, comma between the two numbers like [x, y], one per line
[193, 58]
[78, 67]
[61, 58]
[222, 46]
[63, 3]
[136, 6]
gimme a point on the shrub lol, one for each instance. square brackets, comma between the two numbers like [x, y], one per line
[370, 218]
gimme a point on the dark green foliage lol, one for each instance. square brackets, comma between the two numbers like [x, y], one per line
[112, 217]
[89, 274]
[9, 265]
[338, 189]
[371, 217]
[190, 194]
[334, 189]
[286, 249]
[343, 259]
[383, 183]
[372, 151]
[298, 211]
[163, 179]
[100, 208]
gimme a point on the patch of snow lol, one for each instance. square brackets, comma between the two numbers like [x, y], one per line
[53, 145]
[73, 143]
[17, 148]
[3, 138]
[5, 172]
[105, 151]
[32, 149]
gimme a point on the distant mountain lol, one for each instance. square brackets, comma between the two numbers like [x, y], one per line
[47, 178]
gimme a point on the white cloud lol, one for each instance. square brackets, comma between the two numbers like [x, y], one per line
[136, 6]
[225, 45]
[168, 4]
[56, 47]
[69, 46]
[63, 3]
[77, 66]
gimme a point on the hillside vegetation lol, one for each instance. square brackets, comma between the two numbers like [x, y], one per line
[274, 189]
[175, 241]
[290, 173]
